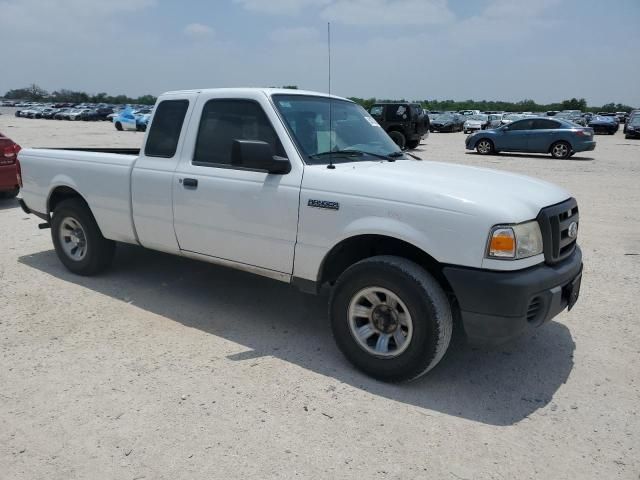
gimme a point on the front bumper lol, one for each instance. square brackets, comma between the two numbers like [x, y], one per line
[497, 306]
[470, 142]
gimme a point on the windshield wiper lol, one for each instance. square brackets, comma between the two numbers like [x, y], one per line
[358, 153]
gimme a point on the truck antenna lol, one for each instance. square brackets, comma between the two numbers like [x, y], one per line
[331, 165]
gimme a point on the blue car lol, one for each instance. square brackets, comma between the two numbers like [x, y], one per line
[604, 124]
[560, 138]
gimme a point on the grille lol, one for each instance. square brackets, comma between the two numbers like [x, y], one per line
[554, 224]
[534, 309]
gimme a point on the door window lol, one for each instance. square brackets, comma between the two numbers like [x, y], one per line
[377, 111]
[543, 124]
[395, 113]
[521, 125]
[165, 128]
[224, 121]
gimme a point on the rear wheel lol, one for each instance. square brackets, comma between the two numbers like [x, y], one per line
[390, 318]
[560, 150]
[77, 239]
[118, 126]
[484, 146]
[398, 138]
[413, 144]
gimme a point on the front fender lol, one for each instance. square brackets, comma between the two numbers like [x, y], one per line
[389, 227]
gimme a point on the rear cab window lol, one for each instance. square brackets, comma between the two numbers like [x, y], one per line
[166, 126]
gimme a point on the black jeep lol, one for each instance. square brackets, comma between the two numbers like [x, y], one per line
[406, 123]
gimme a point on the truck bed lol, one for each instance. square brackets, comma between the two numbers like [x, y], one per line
[102, 176]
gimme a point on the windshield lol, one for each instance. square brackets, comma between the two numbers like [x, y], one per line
[443, 117]
[482, 118]
[352, 128]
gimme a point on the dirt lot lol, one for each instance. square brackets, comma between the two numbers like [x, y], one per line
[169, 368]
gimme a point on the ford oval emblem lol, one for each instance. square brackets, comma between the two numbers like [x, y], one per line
[573, 230]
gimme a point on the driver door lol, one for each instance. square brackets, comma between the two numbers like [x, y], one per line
[515, 137]
[229, 212]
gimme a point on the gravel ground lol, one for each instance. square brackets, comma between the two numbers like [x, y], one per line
[166, 368]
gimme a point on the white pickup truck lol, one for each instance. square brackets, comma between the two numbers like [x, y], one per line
[308, 189]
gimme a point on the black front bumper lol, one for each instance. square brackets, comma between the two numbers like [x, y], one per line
[496, 306]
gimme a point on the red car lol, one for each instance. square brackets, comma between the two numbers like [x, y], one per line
[9, 187]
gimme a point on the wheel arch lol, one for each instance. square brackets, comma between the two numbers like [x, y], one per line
[63, 192]
[361, 246]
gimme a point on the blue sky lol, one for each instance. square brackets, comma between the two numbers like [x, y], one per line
[546, 50]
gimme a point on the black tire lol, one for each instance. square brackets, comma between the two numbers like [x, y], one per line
[560, 150]
[99, 250]
[118, 126]
[484, 146]
[411, 144]
[427, 306]
[398, 138]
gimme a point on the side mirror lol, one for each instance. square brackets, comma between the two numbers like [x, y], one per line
[258, 155]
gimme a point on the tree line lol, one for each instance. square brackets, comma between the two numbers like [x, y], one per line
[35, 93]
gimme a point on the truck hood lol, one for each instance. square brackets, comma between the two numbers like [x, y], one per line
[506, 197]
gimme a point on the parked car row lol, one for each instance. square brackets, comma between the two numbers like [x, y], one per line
[51, 112]
[129, 117]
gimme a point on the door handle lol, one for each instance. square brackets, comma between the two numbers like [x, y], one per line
[190, 183]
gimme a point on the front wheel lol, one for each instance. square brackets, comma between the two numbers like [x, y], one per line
[484, 147]
[560, 150]
[118, 126]
[399, 139]
[413, 144]
[77, 239]
[390, 318]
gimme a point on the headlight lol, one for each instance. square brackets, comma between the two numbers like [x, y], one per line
[512, 242]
